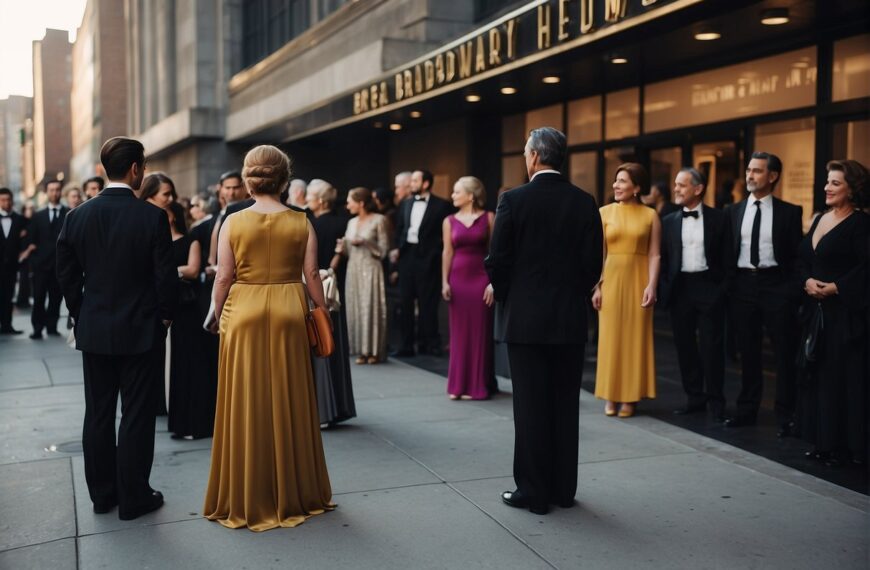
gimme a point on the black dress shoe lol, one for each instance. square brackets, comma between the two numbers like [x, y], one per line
[52, 332]
[740, 421]
[402, 353]
[518, 501]
[695, 409]
[787, 429]
[36, 336]
[719, 417]
[9, 330]
[154, 502]
[564, 504]
[103, 508]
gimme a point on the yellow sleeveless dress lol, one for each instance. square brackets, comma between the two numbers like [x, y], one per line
[626, 361]
[267, 464]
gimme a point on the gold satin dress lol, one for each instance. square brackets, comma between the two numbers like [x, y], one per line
[626, 361]
[267, 464]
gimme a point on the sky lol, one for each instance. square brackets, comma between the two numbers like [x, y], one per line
[21, 22]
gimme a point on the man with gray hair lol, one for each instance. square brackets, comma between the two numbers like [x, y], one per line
[544, 259]
[297, 193]
[695, 242]
[402, 187]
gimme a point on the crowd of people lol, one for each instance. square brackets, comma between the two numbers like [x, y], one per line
[524, 275]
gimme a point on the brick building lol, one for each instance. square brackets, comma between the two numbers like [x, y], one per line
[52, 78]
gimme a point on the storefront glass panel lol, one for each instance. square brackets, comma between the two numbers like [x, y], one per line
[664, 163]
[852, 140]
[794, 142]
[584, 171]
[513, 133]
[584, 121]
[852, 68]
[623, 114]
[613, 157]
[545, 117]
[513, 171]
[719, 163]
[777, 83]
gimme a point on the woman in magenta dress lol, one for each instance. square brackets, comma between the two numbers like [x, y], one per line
[465, 286]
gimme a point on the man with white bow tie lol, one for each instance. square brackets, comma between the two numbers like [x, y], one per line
[12, 232]
[42, 248]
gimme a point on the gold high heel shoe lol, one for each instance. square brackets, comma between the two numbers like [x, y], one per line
[608, 411]
[626, 413]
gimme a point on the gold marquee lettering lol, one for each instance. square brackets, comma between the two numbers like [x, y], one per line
[465, 59]
[496, 46]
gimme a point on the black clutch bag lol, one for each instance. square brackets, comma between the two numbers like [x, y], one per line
[814, 329]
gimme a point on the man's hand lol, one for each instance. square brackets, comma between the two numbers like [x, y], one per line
[394, 256]
[489, 295]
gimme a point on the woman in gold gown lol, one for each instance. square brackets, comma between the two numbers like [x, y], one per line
[267, 465]
[626, 294]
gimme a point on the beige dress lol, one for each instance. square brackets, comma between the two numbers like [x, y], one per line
[364, 287]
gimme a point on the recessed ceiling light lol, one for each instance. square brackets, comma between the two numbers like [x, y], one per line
[551, 79]
[774, 16]
[395, 127]
[707, 36]
[507, 90]
[472, 98]
[618, 60]
[415, 114]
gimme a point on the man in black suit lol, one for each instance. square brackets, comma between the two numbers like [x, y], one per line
[544, 259]
[419, 240]
[695, 243]
[44, 229]
[12, 235]
[118, 280]
[765, 290]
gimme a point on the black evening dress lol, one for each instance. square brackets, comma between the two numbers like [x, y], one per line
[835, 388]
[332, 378]
[192, 388]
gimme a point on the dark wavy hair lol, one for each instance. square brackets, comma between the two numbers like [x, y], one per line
[151, 185]
[856, 176]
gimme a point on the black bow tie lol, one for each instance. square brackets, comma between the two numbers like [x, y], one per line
[692, 214]
[4, 215]
[420, 199]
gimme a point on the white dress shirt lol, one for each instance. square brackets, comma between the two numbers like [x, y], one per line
[53, 213]
[6, 222]
[694, 258]
[547, 171]
[418, 210]
[765, 238]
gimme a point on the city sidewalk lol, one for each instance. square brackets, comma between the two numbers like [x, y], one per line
[417, 479]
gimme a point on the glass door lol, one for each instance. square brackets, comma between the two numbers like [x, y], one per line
[720, 163]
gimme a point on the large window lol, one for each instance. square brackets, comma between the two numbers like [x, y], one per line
[486, 8]
[269, 24]
[794, 142]
[852, 68]
[327, 7]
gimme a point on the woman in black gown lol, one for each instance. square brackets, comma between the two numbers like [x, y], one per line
[335, 401]
[834, 269]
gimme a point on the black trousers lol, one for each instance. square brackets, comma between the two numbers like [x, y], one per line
[8, 273]
[420, 281]
[761, 301]
[121, 471]
[546, 385]
[698, 322]
[24, 285]
[45, 286]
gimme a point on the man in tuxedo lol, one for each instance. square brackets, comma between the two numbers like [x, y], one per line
[418, 232]
[695, 242]
[765, 289]
[117, 277]
[544, 259]
[44, 229]
[93, 186]
[12, 235]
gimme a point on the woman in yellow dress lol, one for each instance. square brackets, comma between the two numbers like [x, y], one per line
[626, 294]
[267, 464]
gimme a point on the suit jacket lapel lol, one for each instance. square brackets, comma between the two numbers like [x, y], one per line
[427, 215]
[776, 225]
[736, 224]
[677, 241]
[708, 233]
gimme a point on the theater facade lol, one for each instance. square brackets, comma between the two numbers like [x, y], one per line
[381, 86]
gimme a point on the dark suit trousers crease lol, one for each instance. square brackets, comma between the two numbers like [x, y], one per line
[45, 285]
[7, 289]
[120, 472]
[698, 322]
[420, 280]
[758, 303]
[546, 397]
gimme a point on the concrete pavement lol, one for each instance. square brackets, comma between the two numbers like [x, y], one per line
[417, 479]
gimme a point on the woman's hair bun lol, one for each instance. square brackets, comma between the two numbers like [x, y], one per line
[266, 170]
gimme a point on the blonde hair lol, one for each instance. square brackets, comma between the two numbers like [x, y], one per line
[324, 191]
[474, 186]
[266, 170]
